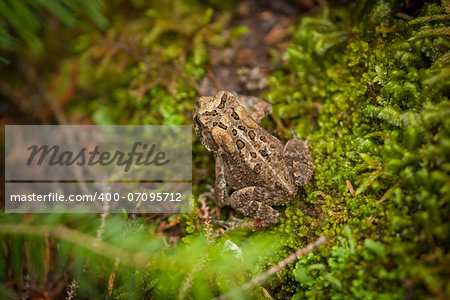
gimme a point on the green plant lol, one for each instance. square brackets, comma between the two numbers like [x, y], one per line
[21, 22]
[371, 94]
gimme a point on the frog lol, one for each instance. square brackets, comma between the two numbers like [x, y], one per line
[254, 170]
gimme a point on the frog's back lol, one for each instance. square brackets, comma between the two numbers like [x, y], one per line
[251, 155]
[257, 161]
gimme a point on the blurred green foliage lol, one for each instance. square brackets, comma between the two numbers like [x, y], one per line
[21, 22]
[147, 265]
[154, 62]
[370, 91]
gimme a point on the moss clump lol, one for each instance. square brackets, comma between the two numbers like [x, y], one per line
[370, 91]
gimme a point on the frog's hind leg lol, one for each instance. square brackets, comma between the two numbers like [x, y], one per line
[250, 202]
[298, 158]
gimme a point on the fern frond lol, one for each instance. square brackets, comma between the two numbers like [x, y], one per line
[422, 20]
[435, 32]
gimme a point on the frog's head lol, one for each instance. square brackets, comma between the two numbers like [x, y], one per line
[210, 112]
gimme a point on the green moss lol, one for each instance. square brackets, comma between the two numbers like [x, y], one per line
[371, 96]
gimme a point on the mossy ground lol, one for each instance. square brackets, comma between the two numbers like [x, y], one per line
[371, 96]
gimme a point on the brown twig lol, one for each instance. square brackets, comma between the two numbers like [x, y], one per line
[263, 277]
[206, 216]
[47, 258]
[112, 276]
[404, 16]
[350, 188]
[266, 293]
[103, 216]
[213, 79]
[72, 288]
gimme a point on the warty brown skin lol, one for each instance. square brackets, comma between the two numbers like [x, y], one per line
[254, 165]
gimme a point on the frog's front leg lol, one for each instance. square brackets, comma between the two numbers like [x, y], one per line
[298, 158]
[255, 106]
[221, 190]
[253, 201]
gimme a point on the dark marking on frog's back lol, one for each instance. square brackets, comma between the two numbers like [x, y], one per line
[251, 134]
[240, 144]
[243, 128]
[221, 125]
[264, 152]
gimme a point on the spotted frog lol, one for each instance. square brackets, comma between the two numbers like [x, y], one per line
[254, 170]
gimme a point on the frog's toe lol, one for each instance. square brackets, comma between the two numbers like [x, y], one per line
[229, 224]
